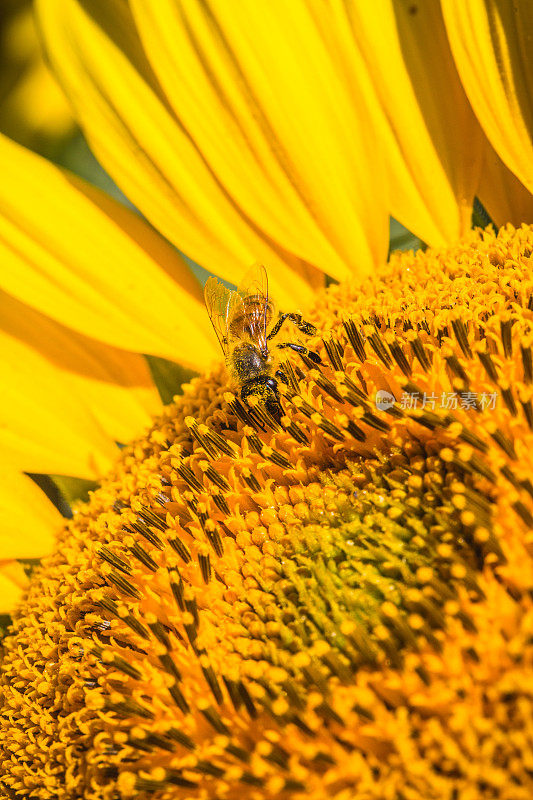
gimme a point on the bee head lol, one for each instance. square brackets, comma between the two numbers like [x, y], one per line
[266, 392]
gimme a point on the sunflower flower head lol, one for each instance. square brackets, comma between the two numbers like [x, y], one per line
[336, 604]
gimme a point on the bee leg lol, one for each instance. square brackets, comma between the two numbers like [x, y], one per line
[299, 348]
[305, 327]
[296, 319]
[277, 326]
[280, 375]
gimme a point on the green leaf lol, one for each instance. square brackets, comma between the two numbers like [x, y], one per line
[73, 489]
[480, 216]
[400, 238]
[168, 376]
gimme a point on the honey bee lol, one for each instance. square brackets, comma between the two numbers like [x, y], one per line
[245, 323]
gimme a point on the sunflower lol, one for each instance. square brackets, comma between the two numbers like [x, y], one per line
[336, 601]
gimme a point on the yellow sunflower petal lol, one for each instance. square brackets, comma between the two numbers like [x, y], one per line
[503, 195]
[255, 86]
[263, 156]
[28, 520]
[491, 43]
[421, 114]
[75, 254]
[12, 581]
[46, 424]
[114, 384]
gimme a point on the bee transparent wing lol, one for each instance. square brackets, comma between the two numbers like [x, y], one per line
[219, 301]
[259, 308]
[254, 282]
